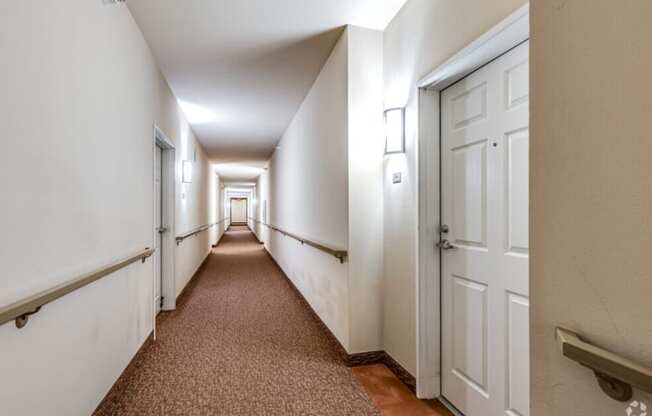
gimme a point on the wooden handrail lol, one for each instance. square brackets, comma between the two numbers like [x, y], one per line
[198, 230]
[340, 254]
[21, 310]
[616, 375]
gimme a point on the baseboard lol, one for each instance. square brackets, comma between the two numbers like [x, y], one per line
[193, 278]
[219, 239]
[336, 342]
[356, 359]
[400, 372]
[257, 238]
[365, 358]
[382, 357]
[129, 367]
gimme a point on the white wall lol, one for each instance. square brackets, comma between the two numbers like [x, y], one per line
[193, 204]
[308, 194]
[365, 163]
[422, 36]
[80, 96]
[261, 192]
[324, 183]
[217, 209]
[591, 198]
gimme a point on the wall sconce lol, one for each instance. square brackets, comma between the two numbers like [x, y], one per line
[395, 130]
[186, 171]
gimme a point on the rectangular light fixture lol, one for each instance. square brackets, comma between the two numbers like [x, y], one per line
[395, 130]
[186, 171]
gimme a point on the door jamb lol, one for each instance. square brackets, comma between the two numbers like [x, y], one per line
[168, 244]
[506, 35]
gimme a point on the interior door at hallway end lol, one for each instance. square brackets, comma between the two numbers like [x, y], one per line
[239, 211]
[485, 276]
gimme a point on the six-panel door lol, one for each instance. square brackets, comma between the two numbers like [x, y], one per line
[485, 306]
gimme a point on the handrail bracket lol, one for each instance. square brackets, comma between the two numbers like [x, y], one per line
[614, 388]
[21, 320]
[147, 255]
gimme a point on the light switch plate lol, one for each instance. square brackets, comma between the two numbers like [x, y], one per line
[397, 177]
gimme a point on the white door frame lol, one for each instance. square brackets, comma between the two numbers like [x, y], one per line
[506, 35]
[168, 243]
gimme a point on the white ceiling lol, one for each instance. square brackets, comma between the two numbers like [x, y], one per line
[241, 68]
[237, 172]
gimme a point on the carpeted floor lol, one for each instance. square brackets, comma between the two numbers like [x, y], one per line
[241, 342]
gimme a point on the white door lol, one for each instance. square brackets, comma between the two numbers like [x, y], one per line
[238, 211]
[158, 223]
[485, 280]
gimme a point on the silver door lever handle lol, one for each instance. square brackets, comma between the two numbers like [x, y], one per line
[161, 230]
[445, 245]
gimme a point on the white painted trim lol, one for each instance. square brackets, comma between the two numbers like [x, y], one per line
[509, 33]
[163, 140]
[428, 296]
[168, 243]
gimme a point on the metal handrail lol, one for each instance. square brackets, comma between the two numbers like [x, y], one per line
[189, 234]
[616, 375]
[340, 254]
[21, 310]
[197, 230]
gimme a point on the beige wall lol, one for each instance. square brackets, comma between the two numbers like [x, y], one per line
[365, 165]
[591, 193]
[325, 183]
[422, 36]
[80, 96]
[195, 203]
[308, 194]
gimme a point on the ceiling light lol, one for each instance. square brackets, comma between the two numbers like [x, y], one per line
[196, 114]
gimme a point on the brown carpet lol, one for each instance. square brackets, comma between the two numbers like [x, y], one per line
[241, 342]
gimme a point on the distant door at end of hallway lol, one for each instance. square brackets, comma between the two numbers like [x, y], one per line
[239, 211]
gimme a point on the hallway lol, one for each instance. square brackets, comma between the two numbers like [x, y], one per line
[241, 342]
[326, 207]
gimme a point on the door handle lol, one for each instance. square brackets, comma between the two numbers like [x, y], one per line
[161, 230]
[446, 245]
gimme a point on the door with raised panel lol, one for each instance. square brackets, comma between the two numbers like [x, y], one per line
[485, 279]
[239, 211]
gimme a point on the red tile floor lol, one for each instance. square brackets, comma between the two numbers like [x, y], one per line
[391, 396]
